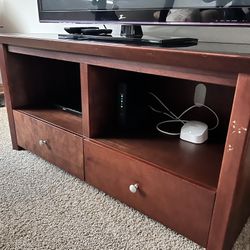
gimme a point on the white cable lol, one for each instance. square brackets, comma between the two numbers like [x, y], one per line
[178, 118]
[161, 112]
[185, 111]
[205, 106]
[168, 121]
[216, 116]
[159, 100]
[160, 123]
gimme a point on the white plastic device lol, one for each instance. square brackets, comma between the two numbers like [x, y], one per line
[191, 131]
[200, 95]
[194, 131]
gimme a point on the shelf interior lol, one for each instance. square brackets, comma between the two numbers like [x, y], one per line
[132, 103]
[56, 117]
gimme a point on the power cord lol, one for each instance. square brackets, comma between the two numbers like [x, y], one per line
[175, 118]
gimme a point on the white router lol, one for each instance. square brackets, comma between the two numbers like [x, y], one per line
[194, 131]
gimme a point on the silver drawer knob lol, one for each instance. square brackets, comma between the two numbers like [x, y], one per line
[133, 188]
[42, 142]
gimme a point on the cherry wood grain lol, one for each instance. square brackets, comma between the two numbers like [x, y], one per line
[212, 77]
[232, 206]
[98, 99]
[62, 148]
[201, 191]
[182, 57]
[85, 99]
[181, 205]
[5, 73]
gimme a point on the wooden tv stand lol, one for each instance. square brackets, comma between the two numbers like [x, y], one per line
[201, 191]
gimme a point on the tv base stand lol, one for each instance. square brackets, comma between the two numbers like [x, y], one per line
[131, 30]
[201, 191]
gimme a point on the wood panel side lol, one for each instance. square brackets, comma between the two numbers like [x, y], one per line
[85, 99]
[231, 206]
[98, 99]
[241, 205]
[5, 71]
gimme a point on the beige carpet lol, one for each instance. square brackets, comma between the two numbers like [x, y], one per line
[42, 207]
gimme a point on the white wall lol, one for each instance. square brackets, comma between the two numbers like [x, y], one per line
[1, 12]
[22, 16]
[208, 34]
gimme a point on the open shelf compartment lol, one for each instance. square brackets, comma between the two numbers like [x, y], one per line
[197, 163]
[48, 89]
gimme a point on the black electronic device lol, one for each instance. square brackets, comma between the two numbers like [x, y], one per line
[70, 110]
[79, 30]
[168, 42]
[131, 108]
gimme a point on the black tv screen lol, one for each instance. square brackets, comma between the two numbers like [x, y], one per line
[170, 12]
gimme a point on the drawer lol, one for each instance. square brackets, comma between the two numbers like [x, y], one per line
[177, 203]
[60, 147]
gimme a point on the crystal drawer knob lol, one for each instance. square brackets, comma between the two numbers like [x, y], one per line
[133, 188]
[42, 142]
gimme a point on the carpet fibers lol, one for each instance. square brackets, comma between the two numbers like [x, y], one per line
[42, 207]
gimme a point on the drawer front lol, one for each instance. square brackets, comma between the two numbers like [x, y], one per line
[53, 144]
[177, 203]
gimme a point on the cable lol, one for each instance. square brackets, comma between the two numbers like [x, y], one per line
[216, 116]
[178, 118]
[161, 112]
[159, 100]
[168, 121]
[205, 106]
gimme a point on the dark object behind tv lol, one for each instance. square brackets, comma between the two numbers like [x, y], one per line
[157, 12]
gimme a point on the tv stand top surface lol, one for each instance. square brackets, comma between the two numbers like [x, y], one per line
[236, 57]
[209, 47]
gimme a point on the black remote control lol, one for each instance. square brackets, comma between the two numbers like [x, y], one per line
[78, 30]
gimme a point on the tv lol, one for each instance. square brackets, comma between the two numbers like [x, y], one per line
[132, 14]
[147, 12]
